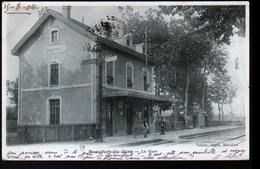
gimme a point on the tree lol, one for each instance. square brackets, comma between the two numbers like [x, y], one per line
[183, 54]
[187, 56]
[105, 28]
[231, 94]
[152, 23]
[219, 89]
[12, 90]
[219, 22]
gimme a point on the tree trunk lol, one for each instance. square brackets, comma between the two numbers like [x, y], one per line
[203, 88]
[222, 110]
[186, 97]
[230, 105]
[158, 82]
[218, 111]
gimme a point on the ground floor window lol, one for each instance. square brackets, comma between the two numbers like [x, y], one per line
[54, 111]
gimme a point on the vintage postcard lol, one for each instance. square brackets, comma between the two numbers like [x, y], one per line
[112, 81]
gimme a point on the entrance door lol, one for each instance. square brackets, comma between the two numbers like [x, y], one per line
[195, 121]
[146, 113]
[109, 130]
[129, 117]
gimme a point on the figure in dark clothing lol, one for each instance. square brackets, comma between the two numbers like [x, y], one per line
[146, 127]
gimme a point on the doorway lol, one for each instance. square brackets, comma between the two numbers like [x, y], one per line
[129, 118]
[146, 115]
[195, 121]
[109, 128]
[146, 112]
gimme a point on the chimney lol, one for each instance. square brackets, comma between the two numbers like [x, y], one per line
[42, 12]
[66, 11]
[121, 31]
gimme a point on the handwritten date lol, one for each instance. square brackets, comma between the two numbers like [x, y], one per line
[17, 8]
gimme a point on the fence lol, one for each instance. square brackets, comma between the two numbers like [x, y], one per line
[49, 133]
[217, 123]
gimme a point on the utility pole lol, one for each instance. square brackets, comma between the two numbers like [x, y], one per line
[99, 62]
[146, 46]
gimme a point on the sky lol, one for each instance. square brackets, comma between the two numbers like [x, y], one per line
[17, 25]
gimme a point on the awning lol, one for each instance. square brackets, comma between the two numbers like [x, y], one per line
[128, 93]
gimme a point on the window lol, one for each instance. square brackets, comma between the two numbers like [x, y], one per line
[145, 79]
[128, 42]
[109, 73]
[54, 36]
[54, 111]
[54, 74]
[129, 75]
[120, 111]
[129, 78]
[143, 50]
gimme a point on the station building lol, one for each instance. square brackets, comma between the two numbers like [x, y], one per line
[55, 87]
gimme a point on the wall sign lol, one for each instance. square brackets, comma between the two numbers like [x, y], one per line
[55, 49]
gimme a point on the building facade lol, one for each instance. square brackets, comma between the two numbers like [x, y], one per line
[55, 87]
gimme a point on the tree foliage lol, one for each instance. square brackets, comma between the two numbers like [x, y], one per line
[189, 47]
[12, 91]
[218, 89]
[219, 22]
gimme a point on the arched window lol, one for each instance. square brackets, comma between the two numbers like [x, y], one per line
[54, 73]
[110, 73]
[54, 110]
[145, 79]
[129, 75]
[143, 51]
[127, 42]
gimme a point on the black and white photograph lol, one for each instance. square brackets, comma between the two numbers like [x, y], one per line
[125, 81]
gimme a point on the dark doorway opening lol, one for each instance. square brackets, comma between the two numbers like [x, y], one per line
[146, 112]
[109, 120]
[195, 121]
[129, 117]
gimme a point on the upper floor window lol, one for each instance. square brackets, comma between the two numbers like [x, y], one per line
[129, 75]
[110, 73]
[143, 51]
[54, 36]
[54, 73]
[145, 79]
[127, 42]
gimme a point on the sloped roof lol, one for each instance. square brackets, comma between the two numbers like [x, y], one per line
[82, 29]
